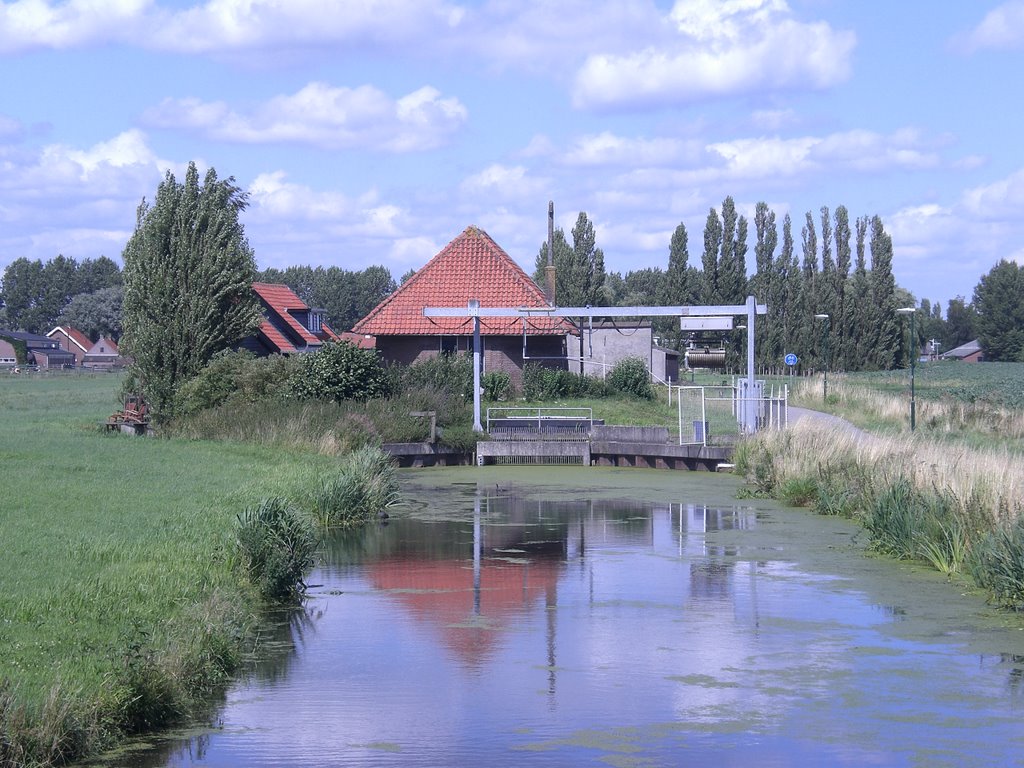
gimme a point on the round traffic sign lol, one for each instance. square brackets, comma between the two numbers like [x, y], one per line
[791, 359]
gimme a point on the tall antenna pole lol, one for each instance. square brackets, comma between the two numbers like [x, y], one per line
[549, 270]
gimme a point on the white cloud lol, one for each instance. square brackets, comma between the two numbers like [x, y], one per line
[79, 202]
[1002, 199]
[607, 149]
[323, 116]
[220, 26]
[1002, 28]
[501, 182]
[29, 24]
[721, 49]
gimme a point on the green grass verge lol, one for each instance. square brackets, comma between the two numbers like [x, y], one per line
[117, 571]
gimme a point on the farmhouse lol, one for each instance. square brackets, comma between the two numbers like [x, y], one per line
[71, 340]
[970, 352]
[41, 350]
[470, 267]
[289, 326]
[103, 355]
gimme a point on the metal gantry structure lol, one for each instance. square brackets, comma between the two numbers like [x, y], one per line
[749, 310]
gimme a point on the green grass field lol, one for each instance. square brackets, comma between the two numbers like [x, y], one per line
[113, 546]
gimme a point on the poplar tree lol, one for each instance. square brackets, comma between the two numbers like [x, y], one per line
[883, 299]
[862, 313]
[765, 286]
[809, 304]
[188, 274]
[845, 340]
[679, 282]
[709, 293]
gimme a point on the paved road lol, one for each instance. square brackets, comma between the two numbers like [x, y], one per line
[798, 414]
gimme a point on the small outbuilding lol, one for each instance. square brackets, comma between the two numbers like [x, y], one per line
[971, 352]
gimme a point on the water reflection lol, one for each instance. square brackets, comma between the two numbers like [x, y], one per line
[497, 625]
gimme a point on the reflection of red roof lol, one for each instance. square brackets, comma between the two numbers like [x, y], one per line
[442, 593]
[472, 266]
[283, 301]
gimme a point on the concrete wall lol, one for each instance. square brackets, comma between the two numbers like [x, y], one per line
[605, 345]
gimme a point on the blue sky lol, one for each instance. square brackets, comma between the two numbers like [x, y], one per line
[374, 131]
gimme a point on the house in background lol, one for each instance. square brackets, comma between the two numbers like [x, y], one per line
[289, 326]
[42, 350]
[71, 340]
[103, 356]
[472, 266]
[970, 352]
[8, 357]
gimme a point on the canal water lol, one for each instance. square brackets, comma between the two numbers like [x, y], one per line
[570, 616]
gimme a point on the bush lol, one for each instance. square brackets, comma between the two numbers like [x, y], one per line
[452, 374]
[631, 377]
[277, 548]
[497, 385]
[340, 371]
[542, 383]
[232, 377]
[366, 485]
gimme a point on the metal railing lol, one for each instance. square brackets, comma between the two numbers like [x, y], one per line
[521, 423]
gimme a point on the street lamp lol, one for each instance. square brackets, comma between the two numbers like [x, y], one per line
[828, 323]
[912, 311]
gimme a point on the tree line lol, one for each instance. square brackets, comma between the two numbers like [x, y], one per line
[833, 266]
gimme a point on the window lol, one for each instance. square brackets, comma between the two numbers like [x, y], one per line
[449, 345]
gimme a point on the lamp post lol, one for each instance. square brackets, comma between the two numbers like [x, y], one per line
[828, 323]
[912, 311]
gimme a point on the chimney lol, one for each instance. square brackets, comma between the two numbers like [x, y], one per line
[549, 270]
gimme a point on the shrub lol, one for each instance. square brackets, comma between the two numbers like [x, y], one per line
[366, 485]
[234, 377]
[443, 373]
[542, 383]
[277, 548]
[497, 385]
[340, 371]
[630, 376]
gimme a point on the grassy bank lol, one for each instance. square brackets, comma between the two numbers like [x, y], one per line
[121, 600]
[979, 405]
[957, 508]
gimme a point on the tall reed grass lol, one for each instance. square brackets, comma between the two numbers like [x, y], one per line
[364, 486]
[957, 508]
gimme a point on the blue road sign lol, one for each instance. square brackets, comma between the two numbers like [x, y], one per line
[791, 359]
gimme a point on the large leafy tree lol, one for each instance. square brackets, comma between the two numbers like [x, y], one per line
[188, 274]
[96, 314]
[999, 303]
[35, 294]
[960, 322]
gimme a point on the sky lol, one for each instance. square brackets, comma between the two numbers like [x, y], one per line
[373, 132]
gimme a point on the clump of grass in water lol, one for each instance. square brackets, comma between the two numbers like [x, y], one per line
[366, 485]
[277, 548]
[998, 563]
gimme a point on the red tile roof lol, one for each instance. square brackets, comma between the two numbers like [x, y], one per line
[472, 266]
[282, 299]
[74, 334]
[276, 339]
